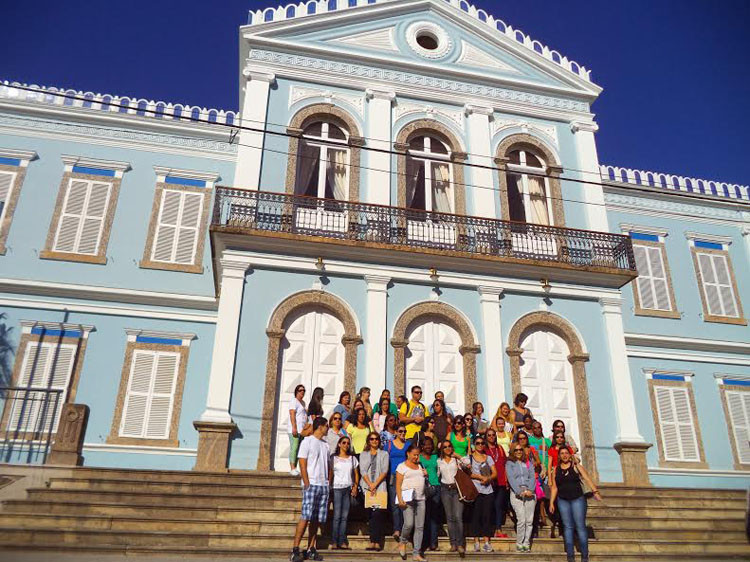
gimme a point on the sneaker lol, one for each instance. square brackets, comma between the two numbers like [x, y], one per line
[313, 554]
[296, 556]
[526, 548]
[519, 548]
[487, 547]
[476, 547]
[294, 472]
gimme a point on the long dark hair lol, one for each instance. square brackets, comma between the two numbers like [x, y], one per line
[459, 419]
[355, 415]
[337, 452]
[315, 408]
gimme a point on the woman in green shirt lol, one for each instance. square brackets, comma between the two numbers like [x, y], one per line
[392, 408]
[428, 459]
[460, 438]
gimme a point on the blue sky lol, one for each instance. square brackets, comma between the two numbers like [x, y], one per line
[675, 72]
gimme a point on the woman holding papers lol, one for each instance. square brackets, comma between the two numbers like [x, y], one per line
[374, 468]
[410, 478]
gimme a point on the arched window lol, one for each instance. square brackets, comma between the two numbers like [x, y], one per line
[429, 175]
[323, 162]
[528, 189]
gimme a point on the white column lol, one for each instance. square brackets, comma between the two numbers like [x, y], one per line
[253, 115]
[379, 104]
[588, 164]
[622, 386]
[376, 331]
[225, 342]
[492, 346]
[746, 237]
[480, 154]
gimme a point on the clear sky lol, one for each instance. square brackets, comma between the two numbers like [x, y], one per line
[675, 73]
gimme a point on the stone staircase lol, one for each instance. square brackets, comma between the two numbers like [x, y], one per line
[252, 513]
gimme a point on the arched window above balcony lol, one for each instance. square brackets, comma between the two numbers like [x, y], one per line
[429, 175]
[323, 162]
[528, 192]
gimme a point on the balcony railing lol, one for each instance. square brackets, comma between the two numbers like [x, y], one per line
[29, 419]
[269, 212]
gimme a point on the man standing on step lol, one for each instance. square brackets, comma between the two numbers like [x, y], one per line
[313, 464]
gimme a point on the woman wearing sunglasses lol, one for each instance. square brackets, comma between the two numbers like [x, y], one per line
[483, 473]
[297, 422]
[344, 478]
[335, 432]
[522, 481]
[448, 465]
[396, 450]
[410, 485]
[374, 467]
[460, 437]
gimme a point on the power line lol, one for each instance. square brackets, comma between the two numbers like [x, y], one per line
[388, 151]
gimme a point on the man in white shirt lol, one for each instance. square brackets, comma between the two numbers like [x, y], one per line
[314, 459]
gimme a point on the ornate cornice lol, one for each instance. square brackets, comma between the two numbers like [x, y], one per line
[663, 205]
[399, 77]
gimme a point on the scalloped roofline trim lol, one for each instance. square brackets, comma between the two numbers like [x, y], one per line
[317, 7]
[672, 182]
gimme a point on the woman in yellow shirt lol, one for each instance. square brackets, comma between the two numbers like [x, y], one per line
[359, 430]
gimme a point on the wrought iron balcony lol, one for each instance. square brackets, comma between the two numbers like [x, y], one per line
[379, 227]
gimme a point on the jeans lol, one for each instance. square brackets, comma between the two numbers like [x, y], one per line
[481, 517]
[414, 521]
[434, 512]
[573, 513]
[341, 501]
[396, 513]
[454, 514]
[377, 525]
[524, 518]
[501, 505]
[293, 449]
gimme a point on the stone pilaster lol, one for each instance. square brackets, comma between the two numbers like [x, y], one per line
[68, 445]
[213, 446]
[633, 461]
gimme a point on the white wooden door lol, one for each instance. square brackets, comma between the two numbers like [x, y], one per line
[547, 379]
[311, 354]
[434, 363]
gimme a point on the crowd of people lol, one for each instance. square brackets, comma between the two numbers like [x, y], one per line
[426, 465]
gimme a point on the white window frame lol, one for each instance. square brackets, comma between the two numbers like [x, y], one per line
[6, 201]
[183, 194]
[712, 256]
[82, 217]
[523, 169]
[648, 276]
[427, 157]
[324, 142]
[744, 395]
[150, 395]
[672, 390]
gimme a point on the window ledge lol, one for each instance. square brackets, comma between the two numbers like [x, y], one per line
[682, 464]
[725, 320]
[117, 440]
[658, 313]
[182, 267]
[64, 256]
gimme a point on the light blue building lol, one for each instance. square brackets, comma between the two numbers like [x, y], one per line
[409, 194]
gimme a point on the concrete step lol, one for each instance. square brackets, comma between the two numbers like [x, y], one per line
[624, 519]
[30, 537]
[177, 476]
[356, 529]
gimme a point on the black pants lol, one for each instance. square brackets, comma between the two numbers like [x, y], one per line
[482, 524]
[377, 525]
[502, 499]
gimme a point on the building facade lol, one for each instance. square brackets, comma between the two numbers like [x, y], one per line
[409, 194]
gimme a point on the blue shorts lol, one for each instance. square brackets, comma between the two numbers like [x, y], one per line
[315, 504]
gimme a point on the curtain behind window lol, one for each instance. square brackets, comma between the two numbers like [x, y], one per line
[414, 184]
[441, 201]
[539, 212]
[337, 173]
[307, 170]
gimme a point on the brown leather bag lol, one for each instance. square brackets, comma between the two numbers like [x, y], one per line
[467, 492]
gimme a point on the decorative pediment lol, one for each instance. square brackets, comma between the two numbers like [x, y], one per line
[472, 56]
[375, 40]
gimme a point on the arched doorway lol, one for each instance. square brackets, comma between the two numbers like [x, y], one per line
[311, 353]
[434, 362]
[547, 379]
[311, 334]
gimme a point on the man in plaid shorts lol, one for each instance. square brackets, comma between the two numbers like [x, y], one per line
[314, 461]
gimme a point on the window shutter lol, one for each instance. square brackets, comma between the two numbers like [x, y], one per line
[148, 405]
[46, 366]
[82, 218]
[739, 414]
[676, 424]
[178, 227]
[717, 285]
[653, 288]
[6, 182]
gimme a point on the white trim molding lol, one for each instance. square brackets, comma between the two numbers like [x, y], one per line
[28, 325]
[25, 156]
[134, 333]
[627, 228]
[697, 358]
[697, 472]
[142, 449]
[692, 344]
[715, 238]
[117, 166]
[686, 376]
[163, 171]
[727, 378]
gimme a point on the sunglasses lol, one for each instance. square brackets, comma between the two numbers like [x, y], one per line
[522, 437]
[518, 450]
[417, 392]
[447, 446]
[336, 418]
[374, 439]
[458, 423]
[401, 431]
[477, 443]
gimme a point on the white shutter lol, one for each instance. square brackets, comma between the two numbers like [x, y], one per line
[652, 284]
[6, 183]
[46, 366]
[717, 285]
[150, 395]
[676, 424]
[178, 227]
[82, 218]
[739, 414]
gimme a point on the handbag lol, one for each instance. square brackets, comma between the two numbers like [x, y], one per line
[538, 491]
[467, 492]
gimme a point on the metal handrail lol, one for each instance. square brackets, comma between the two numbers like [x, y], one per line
[398, 226]
[28, 421]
